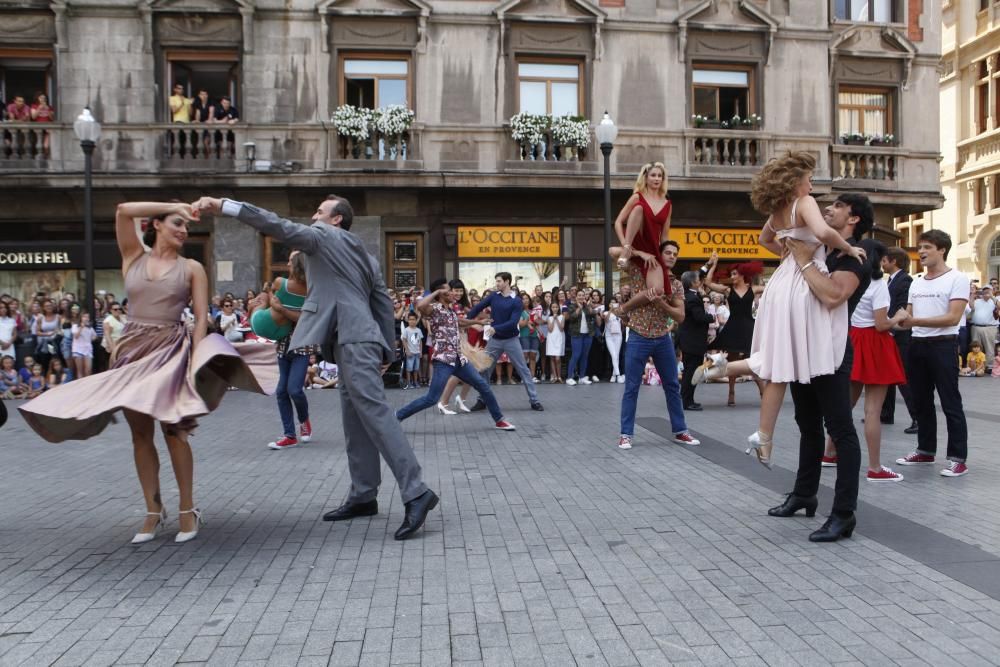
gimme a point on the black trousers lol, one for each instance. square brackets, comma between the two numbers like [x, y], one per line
[902, 339]
[827, 400]
[933, 366]
[691, 362]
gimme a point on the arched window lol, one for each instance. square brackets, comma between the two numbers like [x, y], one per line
[995, 247]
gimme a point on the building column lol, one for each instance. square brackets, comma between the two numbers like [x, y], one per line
[236, 255]
[991, 95]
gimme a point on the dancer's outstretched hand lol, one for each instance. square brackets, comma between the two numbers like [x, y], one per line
[209, 205]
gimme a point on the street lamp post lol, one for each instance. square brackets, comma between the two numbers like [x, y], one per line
[88, 131]
[606, 134]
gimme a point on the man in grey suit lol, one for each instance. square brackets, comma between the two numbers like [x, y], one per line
[348, 311]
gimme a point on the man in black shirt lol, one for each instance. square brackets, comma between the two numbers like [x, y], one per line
[827, 397]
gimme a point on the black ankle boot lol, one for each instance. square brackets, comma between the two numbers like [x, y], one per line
[835, 528]
[793, 504]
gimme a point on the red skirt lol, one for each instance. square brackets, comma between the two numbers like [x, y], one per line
[876, 358]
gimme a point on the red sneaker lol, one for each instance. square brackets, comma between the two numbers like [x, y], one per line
[829, 462]
[915, 459]
[505, 425]
[955, 469]
[884, 475]
[686, 438]
[284, 443]
[306, 431]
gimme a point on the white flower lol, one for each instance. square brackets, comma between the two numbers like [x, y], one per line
[393, 120]
[528, 128]
[352, 122]
[571, 131]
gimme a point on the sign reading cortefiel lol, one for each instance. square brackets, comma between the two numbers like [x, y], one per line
[734, 244]
[32, 259]
[541, 242]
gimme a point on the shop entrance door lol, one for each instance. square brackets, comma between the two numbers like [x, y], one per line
[404, 260]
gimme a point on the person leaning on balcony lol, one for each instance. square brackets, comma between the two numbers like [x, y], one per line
[226, 114]
[41, 112]
[180, 106]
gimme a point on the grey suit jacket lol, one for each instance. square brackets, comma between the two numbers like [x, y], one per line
[347, 300]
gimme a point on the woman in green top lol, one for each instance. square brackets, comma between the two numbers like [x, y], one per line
[528, 336]
[271, 322]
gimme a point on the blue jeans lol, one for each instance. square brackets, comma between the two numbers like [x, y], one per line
[291, 380]
[580, 346]
[442, 371]
[662, 350]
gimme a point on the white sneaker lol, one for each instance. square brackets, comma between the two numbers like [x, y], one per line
[614, 378]
[585, 380]
[621, 379]
[595, 379]
[571, 382]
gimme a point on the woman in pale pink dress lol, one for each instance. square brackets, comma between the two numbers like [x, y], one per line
[795, 337]
[159, 371]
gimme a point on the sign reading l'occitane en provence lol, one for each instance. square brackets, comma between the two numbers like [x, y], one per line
[508, 242]
[733, 244]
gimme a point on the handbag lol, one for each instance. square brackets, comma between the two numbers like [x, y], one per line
[477, 356]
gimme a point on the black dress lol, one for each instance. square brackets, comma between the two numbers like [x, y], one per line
[737, 335]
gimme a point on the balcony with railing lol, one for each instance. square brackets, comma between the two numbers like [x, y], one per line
[865, 166]
[548, 155]
[728, 152]
[378, 151]
[25, 144]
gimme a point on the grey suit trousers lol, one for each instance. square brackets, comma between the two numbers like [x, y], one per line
[371, 427]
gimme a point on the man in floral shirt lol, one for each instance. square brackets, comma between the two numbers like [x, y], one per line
[447, 355]
[650, 337]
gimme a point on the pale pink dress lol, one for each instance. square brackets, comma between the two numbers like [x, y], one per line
[154, 371]
[796, 337]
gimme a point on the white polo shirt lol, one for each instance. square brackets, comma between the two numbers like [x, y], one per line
[932, 298]
[982, 313]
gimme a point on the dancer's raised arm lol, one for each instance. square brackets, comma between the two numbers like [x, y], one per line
[713, 263]
[127, 229]
[295, 235]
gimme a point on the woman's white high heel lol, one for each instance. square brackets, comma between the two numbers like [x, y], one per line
[445, 410]
[462, 407]
[142, 538]
[757, 442]
[198, 522]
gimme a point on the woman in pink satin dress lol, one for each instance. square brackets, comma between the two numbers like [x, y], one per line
[160, 371]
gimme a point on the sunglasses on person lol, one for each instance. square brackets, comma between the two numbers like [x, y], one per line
[227, 305]
[116, 309]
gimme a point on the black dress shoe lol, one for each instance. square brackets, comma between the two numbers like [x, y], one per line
[537, 407]
[835, 528]
[695, 407]
[479, 406]
[793, 504]
[348, 511]
[416, 513]
[912, 429]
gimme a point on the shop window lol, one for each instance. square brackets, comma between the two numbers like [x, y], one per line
[549, 87]
[372, 81]
[216, 72]
[869, 11]
[865, 111]
[25, 73]
[722, 91]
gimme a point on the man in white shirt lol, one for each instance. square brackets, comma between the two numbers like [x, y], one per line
[936, 303]
[984, 322]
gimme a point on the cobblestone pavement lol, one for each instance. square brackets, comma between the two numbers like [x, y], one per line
[550, 546]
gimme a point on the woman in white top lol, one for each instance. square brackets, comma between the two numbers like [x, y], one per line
[114, 324]
[8, 332]
[613, 340]
[555, 343]
[82, 347]
[876, 363]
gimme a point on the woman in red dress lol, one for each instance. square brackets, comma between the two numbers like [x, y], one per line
[642, 225]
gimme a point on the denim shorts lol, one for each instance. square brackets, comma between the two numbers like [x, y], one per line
[529, 343]
[412, 363]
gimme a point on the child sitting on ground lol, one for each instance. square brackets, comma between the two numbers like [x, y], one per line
[975, 361]
[36, 382]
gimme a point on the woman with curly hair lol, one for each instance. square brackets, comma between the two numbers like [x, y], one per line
[737, 336]
[642, 225]
[796, 337]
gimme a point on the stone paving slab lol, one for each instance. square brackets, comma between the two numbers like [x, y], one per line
[551, 546]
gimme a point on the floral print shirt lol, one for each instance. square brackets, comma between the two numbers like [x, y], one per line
[444, 329]
[648, 321]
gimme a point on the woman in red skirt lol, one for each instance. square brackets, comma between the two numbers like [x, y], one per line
[876, 363]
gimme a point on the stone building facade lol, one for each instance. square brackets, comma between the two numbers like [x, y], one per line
[811, 69]
[970, 139]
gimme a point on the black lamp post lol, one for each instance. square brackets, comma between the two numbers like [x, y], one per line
[88, 131]
[606, 134]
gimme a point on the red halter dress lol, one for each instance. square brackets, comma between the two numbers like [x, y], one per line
[648, 238]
